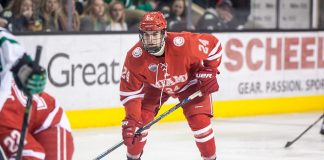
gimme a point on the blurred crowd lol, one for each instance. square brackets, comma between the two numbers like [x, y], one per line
[120, 15]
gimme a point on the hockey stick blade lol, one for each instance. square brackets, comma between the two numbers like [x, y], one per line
[289, 143]
[184, 101]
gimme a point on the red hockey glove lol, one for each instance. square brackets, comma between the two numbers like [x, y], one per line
[129, 128]
[207, 82]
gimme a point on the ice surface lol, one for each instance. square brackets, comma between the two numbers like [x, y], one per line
[244, 138]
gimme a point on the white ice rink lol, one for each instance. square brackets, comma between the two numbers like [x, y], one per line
[247, 138]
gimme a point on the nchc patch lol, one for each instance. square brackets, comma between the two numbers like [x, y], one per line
[152, 67]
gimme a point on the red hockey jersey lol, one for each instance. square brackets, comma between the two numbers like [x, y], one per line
[184, 54]
[45, 112]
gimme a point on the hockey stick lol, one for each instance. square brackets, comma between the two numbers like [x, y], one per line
[289, 143]
[27, 112]
[140, 130]
[322, 128]
[2, 154]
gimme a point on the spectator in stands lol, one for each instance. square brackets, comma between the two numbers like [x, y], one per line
[177, 19]
[3, 22]
[242, 10]
[61, 18]
[133, 17]
[134, 10]
[321, 16]
[218, 17]
[129, 4]
[4, 3]
[36, 10]
[164, 8]
[6, 16]
[94, 17]
[79, 6]
[146, 5]
[37, 4]
[118, 16]
[202, 3]
[21, 17]
[48, 10]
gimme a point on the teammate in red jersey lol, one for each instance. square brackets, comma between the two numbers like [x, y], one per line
[164, 64]
[49, 133]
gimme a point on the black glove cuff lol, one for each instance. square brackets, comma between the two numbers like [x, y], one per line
[21, 70]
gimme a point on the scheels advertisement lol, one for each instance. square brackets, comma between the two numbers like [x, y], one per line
[84, 70]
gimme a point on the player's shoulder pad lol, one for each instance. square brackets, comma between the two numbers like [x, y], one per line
[5, 35]
[178, 39]
[3, 29]
[136, 55]
[49, 100]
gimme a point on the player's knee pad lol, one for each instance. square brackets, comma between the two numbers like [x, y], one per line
[57, 142]
[201, 126]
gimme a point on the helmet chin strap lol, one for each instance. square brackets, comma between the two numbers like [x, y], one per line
[160, 52]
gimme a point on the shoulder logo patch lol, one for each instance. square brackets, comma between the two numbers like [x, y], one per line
[178, 41]
[137, 52]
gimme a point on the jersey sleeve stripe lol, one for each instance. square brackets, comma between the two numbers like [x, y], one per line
[31, 153]
[132, 97]
[214, 50]
[190, 83]
[219, 54]
[5, 39]
[64, 122]
[131, 93]
[48, 120]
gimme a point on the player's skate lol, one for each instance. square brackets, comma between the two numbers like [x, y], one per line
[128, 158]
[134, 158]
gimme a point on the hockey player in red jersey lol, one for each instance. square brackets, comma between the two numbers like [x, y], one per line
[164, 64]
[49, 134]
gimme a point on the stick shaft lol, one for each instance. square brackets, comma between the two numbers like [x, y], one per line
[27, 113]
[289, 143]
[2, 154]
[186, 100]
[24, 127]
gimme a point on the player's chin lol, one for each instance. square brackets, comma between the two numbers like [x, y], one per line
[151, 45]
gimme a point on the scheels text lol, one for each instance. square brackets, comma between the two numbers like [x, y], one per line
[288, 53]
